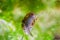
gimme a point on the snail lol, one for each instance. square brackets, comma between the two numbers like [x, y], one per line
[28, 22]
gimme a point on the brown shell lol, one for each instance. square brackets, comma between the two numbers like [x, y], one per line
[26, 17]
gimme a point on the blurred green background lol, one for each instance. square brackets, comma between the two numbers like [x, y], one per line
[12, 13]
